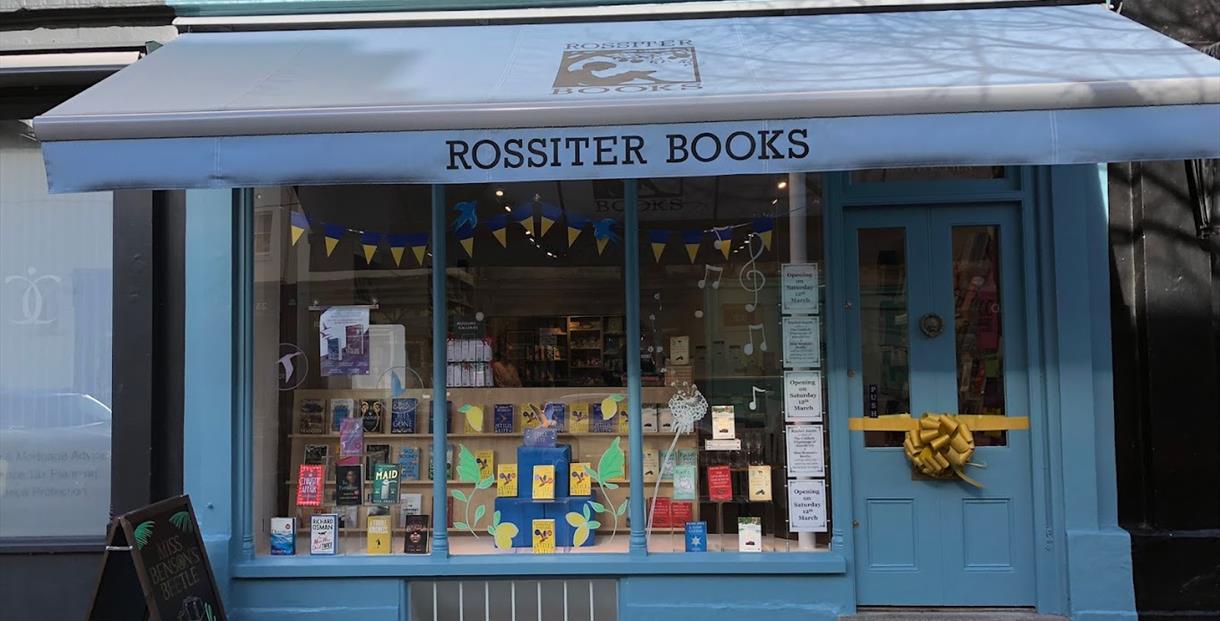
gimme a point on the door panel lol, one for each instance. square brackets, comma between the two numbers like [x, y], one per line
[922, 541]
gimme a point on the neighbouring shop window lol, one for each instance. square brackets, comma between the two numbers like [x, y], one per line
[731, 287]
[55, 349]
[342, 369]
[537, 368]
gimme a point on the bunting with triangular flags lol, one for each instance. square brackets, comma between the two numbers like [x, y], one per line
[724, 239]
[523, 214]
[576, 224]
[603, 232]
[465, 237]
[369, 242]
[764, 227]
[550, 215]
[297, 225]
[691, 239]
[332, 233]
[658, 238]
[418, 243]
[498, 225]
[398, 243]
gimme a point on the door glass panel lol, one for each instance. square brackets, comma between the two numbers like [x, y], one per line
[979, 333]
[885, 370]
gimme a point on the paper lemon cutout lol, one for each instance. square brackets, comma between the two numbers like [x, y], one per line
[504, 533]
[474, 416]
[610, 406]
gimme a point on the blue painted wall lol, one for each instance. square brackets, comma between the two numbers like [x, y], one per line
[1067, 291]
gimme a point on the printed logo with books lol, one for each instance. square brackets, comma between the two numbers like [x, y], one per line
[627, 67]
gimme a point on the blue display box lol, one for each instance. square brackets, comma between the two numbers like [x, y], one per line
[529, 456]
[522, 512]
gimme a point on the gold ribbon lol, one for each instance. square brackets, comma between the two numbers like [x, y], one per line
[940, 445]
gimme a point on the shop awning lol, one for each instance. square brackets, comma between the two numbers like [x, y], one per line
[1031, 85]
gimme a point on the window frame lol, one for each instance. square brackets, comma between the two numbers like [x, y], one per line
[439, 562]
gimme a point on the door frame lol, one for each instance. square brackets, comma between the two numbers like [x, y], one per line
[1028, 189]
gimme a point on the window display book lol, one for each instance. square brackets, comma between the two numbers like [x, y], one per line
[283, 536]
[313, 416]
[351, 441]
[408, 463]
[378, 536]
[385, 484]
[377, 454]
[416, 537]
[315, 454]
[323, 533]
[503, 415]
[340, 410]
[349, 487]
[749, 534]
[402, 415]
[310, 484]
[696, 536]
[372, 415]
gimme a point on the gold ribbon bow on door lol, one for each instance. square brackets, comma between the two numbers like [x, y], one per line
[940, 445]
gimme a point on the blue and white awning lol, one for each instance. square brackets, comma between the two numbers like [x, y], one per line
[1033, 85]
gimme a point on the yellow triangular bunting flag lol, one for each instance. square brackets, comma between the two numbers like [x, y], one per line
[573, 233]
[601, 245]
[501, 236]
[546, 224]
[691, 251]
[419, 253]
[657, 249]
[397, 254]
[297, 232]
[468, 245]
[766, 238]
[369, 251]
[331, 242]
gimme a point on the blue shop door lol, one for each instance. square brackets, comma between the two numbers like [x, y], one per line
[935, 325]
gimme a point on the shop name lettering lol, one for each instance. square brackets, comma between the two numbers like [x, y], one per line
[626, 150]
[180, 570]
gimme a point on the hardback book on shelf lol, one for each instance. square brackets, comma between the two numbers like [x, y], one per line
[719, 484]
[531, 416]
[408, 463]
[448, 464]
[503, 414]
[310, 483]
[416, 536]
[315, 454]
[403, 415]
[379, 534]
[660, 512]
[749, 534]
[680, 512]
[652, 465]
[349, 487]
[351, 441]
[313, 416]
[544, 482]
[372, 415]
[759, 479]
[283, 536]
[323, 533]
[506, 480]
[486, 459]
[724, 425]
[340, 410]
[696, 536]
[411, 504]
[543, 536]
[385, 484]
[578, 418]
[686, 484]
[375, 454]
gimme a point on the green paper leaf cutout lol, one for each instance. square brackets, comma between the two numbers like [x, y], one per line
[468, 466]
[208, 612]
[182, 520]
[597, 506]
[585, 511]
[611, 486]
[461, 525]
[621, 508]
[460, 495]
[594, 524]
[619, 397]
[466, 408]
[491, 530]
[495, 518]
[610, 466]
[479, 511]
[485, 483]
[143, 533]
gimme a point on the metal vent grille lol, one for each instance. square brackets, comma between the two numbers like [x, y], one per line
[515, 600]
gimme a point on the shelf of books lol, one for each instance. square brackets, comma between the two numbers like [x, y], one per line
[362, 463]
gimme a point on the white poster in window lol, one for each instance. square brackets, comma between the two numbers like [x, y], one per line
[802, 342]
[387, 359]
[807, 506]
[803, 396]
[799, 288]
[344, 338]
[679, 350]
[806, 451]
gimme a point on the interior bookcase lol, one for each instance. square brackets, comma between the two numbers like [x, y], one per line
[586, 448]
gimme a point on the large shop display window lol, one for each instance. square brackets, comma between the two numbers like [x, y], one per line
[538, 456]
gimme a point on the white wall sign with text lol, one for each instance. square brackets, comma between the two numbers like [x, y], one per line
[799, 290]
[803, 396]
[806, 451]
[802, 342]
[807, 506]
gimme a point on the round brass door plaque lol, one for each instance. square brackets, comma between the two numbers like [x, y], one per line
[931, 325]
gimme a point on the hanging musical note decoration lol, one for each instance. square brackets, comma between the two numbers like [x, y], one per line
[748, 348]
[751, 278]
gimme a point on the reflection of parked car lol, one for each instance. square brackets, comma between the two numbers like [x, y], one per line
[54, 464]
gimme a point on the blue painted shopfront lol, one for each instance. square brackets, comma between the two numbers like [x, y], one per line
[1054, 482]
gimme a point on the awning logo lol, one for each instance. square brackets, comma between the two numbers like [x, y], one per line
[627, 67]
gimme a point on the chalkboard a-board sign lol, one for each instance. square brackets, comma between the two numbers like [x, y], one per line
[156, 568]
